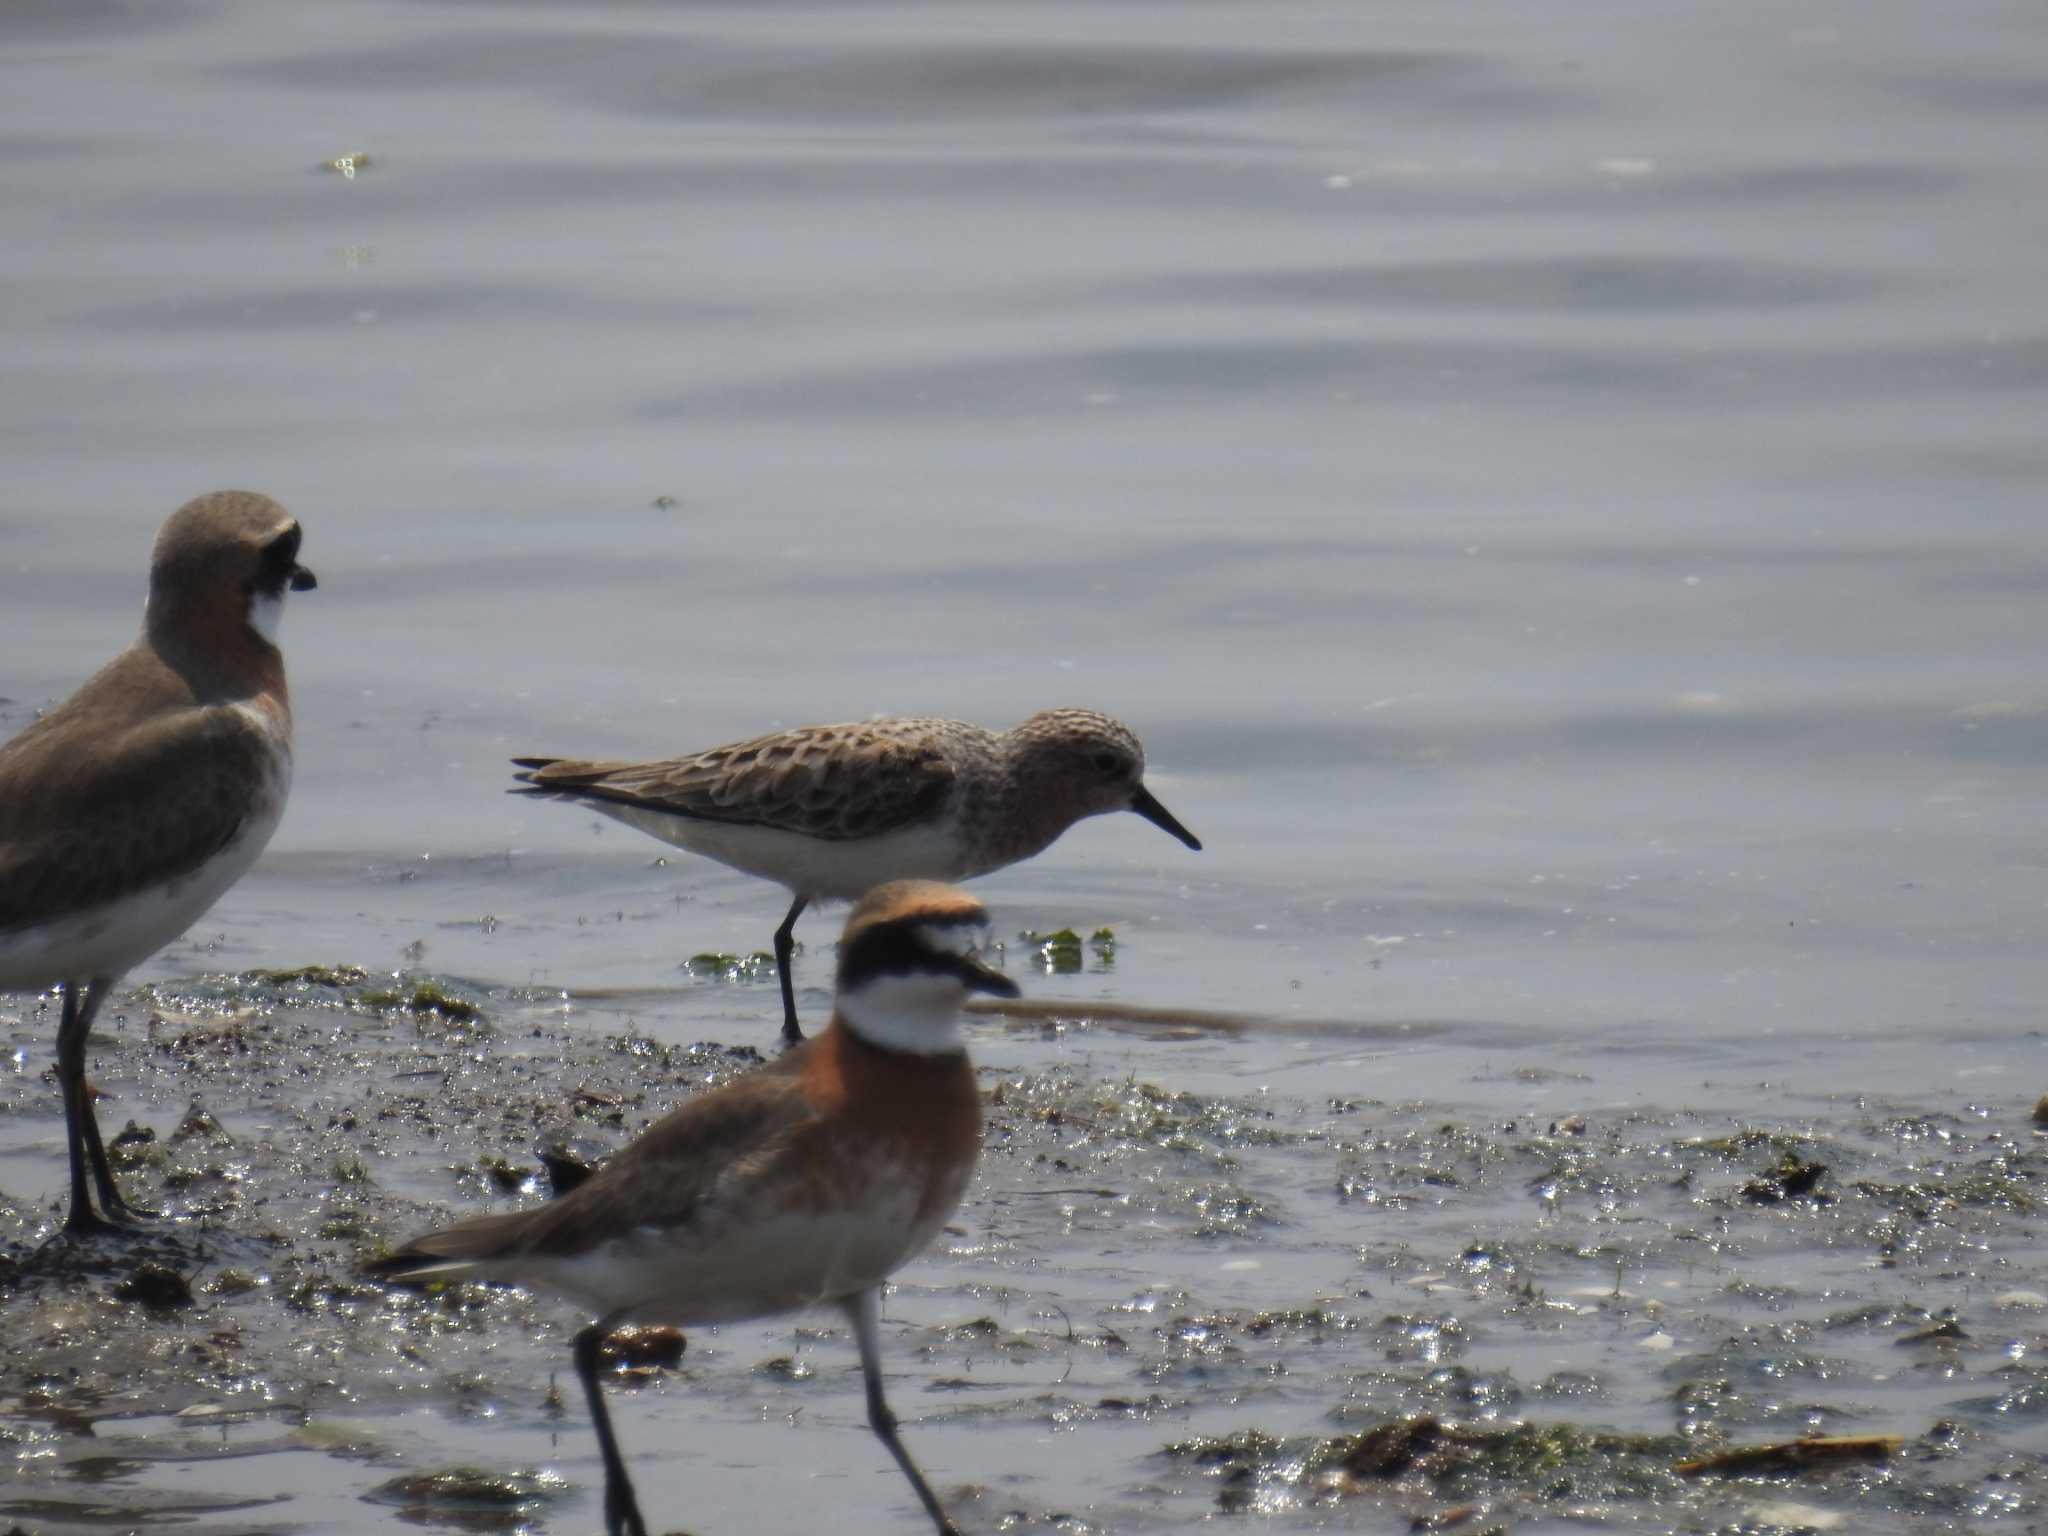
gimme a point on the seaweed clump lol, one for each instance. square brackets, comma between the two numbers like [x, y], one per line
[1552, 1462]
[1063, 952]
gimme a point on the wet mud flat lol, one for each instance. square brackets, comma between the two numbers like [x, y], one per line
[1161, 1304]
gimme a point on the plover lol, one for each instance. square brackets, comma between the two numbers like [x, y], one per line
[831, 810]
[809, 1181]
[127, 810]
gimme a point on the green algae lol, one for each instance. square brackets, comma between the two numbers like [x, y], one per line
[1063, 952]
[1736, 1146]
[345, 1223]
[334, 976]
[252, 996]
[1555, 1462]
[1794, 1178]
[1056, 954]
[1245, 1446]
[1312, 1324]
[426, 998]
[320, 1294]
[467, 1487]
[1984, 1187]
[717, 965]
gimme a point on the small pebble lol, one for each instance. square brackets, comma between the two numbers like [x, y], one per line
[644, 1347]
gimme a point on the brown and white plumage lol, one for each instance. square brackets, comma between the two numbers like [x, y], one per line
[130, 808]
[124, 787]
[831, 810]
[807, 1182]
[838, 783]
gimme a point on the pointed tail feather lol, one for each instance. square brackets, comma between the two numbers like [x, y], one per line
[529, 774]
[469, 1249]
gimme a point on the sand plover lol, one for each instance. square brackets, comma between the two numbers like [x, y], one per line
[831, 810]
[130, 808]
[807, 1181]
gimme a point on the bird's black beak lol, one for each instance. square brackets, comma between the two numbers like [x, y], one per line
[303, 580]
[981, 977]
[1146, 806]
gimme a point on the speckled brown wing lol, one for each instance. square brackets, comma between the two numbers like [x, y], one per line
[836, 782]
[147, 803]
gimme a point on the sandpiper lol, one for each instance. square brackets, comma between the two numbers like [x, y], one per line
[831, 810]
[807, 1181]
[130, 808]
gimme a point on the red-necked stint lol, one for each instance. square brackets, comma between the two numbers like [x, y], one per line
[832, 810]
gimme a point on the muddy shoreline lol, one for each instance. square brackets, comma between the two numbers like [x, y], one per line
[1158, 1305]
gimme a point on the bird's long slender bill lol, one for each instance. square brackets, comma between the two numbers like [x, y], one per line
[1147, 805]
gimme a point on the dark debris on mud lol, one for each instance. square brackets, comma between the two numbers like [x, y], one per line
[1262, 1306]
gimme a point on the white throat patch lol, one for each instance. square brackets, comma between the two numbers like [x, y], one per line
[266, 613]
[917, 1014]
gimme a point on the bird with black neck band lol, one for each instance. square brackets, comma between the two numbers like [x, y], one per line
[808, 1182]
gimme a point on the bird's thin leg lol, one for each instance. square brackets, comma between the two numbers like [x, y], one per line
[81, 1129]
[785, 945]
[116, 1209]
[865, 1313]
[621, 1509]
[71, 1032]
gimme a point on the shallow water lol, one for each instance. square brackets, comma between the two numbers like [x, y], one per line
[1557, 495]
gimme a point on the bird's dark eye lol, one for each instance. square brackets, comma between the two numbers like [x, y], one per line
[280, 555]
[1108, 762]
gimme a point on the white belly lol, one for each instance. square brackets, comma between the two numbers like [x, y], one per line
[746, 1257]
[776, 1265]
[106, 940]
[808, 866]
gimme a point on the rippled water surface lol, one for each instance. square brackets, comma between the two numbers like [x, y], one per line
[1557, 490]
